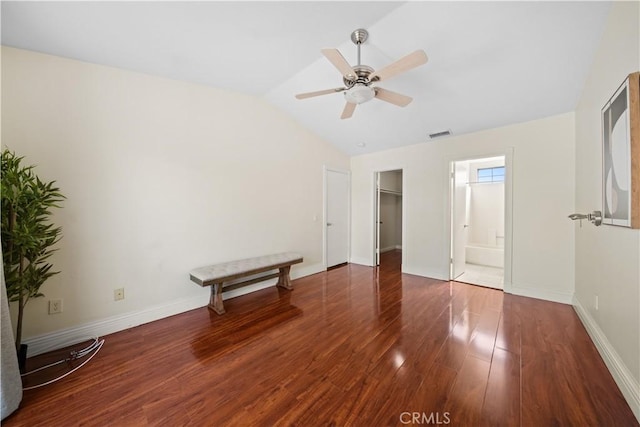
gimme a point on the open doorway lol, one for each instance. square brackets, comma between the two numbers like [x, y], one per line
[478, 221]
[388, 218]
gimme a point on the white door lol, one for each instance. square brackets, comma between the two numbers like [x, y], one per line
[377, 220]
[337, 217]
[459, 177]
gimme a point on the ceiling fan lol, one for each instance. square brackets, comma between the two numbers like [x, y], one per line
[360, 80]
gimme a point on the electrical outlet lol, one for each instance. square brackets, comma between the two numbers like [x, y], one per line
[118, 294]
[55, 306]
[597, 303]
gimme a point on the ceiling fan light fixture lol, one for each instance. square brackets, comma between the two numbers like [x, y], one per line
[359, 93]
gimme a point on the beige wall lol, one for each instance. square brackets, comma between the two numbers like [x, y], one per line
[543, 196]
[607, 257]
[161, 176]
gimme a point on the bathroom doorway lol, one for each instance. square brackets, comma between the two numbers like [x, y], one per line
[478, 221]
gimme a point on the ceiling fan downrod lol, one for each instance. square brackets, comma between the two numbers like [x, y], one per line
[358, 37]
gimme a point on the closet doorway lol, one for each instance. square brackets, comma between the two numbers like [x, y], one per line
[388, 215]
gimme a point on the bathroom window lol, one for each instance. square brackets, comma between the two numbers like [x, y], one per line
[491, 174]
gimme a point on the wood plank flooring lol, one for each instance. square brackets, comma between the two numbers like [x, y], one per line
[353, 346]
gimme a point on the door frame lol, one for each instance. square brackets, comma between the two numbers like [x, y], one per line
[325, 170]
[454, 213]
[374, 213]
[508, 209]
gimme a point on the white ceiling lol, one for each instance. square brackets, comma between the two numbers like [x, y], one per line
[490, 63]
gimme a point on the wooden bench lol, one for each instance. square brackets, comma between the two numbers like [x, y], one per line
[219, 276]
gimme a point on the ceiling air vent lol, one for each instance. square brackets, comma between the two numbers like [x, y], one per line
[439, 134]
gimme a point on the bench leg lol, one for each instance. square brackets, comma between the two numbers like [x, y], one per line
[215, 303]
[283, 278]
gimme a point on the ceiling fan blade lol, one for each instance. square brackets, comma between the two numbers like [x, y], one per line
[319, 92]
[335, 57]
[349, 108]
[393, 97]
[406, 63]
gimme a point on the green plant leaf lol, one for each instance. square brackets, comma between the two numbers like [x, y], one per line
[27, 233]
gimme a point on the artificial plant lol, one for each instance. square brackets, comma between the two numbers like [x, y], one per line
[28, 235]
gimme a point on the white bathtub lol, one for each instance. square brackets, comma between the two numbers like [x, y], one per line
[484, 255]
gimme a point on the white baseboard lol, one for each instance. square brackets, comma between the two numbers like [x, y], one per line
[526, 291]
[361, 261]
[388, 249]
[66, 337]
[297, 273]
[432, 274]
[628, 385]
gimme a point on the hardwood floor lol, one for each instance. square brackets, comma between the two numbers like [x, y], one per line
[352, 346]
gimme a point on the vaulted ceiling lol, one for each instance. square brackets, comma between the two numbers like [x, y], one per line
[490, 63]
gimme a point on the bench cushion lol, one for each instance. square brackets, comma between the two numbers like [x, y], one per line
[218, 273]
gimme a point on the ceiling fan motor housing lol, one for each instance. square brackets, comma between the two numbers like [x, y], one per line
[359, 90]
